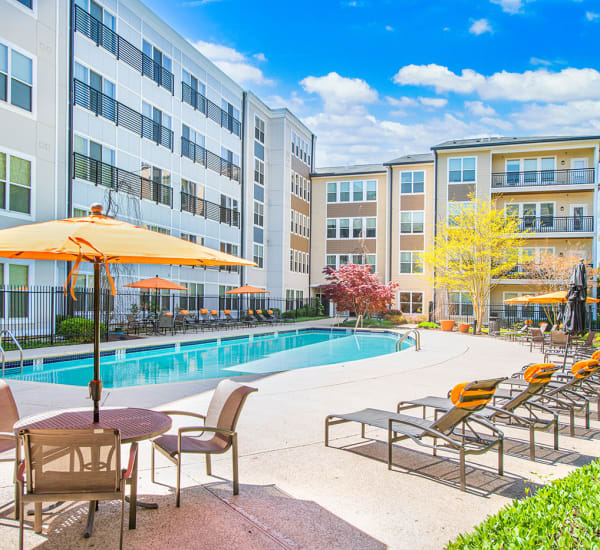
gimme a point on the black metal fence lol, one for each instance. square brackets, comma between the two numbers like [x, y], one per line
[210, 210]
[44, 316]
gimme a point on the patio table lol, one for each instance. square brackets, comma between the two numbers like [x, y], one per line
[133, 424]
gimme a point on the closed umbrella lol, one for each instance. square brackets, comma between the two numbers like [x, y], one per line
[101, 240]
[574, 315]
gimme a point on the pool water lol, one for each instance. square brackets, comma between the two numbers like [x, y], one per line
[227, 357]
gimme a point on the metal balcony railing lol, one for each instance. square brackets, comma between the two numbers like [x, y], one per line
[203, 156]
[102, 105]
[210, 210]
[210, 109]
[551, 224]
[539, 178]
[100, 173]
[103, 36]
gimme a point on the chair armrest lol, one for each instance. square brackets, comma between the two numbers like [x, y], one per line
[184, 413]
[132, 457]
[204, 429]
[21, 472]
[429, 431]
[485, 422]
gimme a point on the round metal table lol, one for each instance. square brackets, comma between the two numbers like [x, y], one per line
[133, 424]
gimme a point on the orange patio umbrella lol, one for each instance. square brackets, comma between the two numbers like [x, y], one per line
[102, 240]
[559, 297]
[156, 283]
[247, 290]
[519, 299]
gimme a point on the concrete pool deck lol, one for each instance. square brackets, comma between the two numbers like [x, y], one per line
[297, 493]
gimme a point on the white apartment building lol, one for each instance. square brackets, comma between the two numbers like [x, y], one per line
[277, 164]
[146, 125]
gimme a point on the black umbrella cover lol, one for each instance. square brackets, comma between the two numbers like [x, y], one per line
[574, 318]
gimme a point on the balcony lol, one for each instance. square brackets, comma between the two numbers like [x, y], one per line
[210, 210]
[541, 178]
[210, 109]
[107, 107]
[204, 157]
[519, 271]
[551, 224]
[103, 36]
[100, 173]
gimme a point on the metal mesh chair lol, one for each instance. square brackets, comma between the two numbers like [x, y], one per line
[8, 440]
[71, 465]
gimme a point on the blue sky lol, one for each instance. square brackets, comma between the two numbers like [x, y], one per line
[375, 79]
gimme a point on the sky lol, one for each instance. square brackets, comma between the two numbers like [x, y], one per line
[376, 79]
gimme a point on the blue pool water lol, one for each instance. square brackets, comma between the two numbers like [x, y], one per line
[257, 354]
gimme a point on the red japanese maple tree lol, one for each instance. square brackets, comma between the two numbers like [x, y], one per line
[354, 288]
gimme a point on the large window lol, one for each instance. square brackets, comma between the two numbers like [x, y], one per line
[412, 182]
[193, 299]
[259, 213]
[361, 227]
[462, 170]
[455, 210]
[411, 302]
[410, 262]
[18, 281]
[259, 130]
[259, 255]
[15, 183]
[411, 221]
[259, 171]
[16, 78]
[354, 191]
[459, 304]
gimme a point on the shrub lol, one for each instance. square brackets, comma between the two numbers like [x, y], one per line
[564, 514]
[427, 324]
[78, 330]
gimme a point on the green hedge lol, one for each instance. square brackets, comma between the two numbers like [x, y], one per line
[562, 515]
[79, 330]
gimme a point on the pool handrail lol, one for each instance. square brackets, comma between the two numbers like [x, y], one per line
[405, 336]
[12, 337]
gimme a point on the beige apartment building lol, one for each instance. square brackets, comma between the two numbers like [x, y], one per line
[549, 183]
[380, 215]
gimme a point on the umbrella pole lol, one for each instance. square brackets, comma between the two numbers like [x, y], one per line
[96, 384]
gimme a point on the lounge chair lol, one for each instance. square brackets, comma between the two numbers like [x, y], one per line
[503, 409]
[559, 346]
[57, 468]
[216, 436]
[250, 318]
[164, 324]
[228, 320]
[262, 318]
[9, 450]
[536, 338]
[204, 319]
[456, 429]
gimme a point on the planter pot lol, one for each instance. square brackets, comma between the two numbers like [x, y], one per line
[464, 327]
[447, 325]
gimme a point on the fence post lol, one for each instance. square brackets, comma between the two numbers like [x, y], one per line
[52, 318]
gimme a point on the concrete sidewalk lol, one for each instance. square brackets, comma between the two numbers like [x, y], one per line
[297, 493]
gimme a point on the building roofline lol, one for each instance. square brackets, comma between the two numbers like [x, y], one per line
[508, 141]
[353, 170]
[281, 111]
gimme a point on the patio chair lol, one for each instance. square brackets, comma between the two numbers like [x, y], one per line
[543, 326]
[536, 338]
[131, 323]
[180, 321]
[204, 319]
[166, 322]
[230, 320]
[458, 429]
[262, 318]
[559, 345]
[586, 343]
[216, 436]
[216, 320]
[8, 440]
[503, 409]
[71, 465]
[250, 318]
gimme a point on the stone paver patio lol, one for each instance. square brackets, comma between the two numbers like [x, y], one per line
[295, 492]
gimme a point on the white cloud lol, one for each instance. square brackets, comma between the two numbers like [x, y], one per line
[402, 102]
[591, 16]
[436, 102]
[509, 6]
[234, 63]
[338, 92]
[389, 28]
[294, 103]
[480, 26]
[260, 57]
[193, 3]
[539, 85]
[539, 61]
[479, 109]
[573, 117]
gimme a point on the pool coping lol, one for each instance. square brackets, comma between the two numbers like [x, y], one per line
[121, 353]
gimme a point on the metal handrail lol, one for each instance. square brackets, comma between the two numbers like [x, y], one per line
[405, 336]
[12, 337]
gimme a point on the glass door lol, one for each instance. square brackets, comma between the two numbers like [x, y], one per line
[530, 173]
[548, 171]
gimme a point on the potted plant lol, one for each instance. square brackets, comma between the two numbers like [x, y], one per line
[464, 327]
[447, 325]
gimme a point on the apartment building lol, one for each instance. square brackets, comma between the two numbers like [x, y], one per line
[278, 158]
[33, 119]
[550, 183]
[136, 118]
[380, 215]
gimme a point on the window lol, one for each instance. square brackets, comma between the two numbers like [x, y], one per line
[411, 302]
[193, 299]
[357, 259]
[331, 192]
[190, 135]
[229, 248]
[344, 259]
[259, 213]
[189, 237]
[90, 169]
[461, 170]
[259, 129]
[259, 255]
[15, 184]
[291, 260]
[80, 212]
[357, 228]
[331, 261]
[411, 221]
[370, 260]
[26, 3]
[357, 191]
[16, 78]
[412, 182]
[156, 228]
[455, 210]
[344, 191]
[371, 190]
[410, 262]
[195, 84]
[344, 228]
[371, 228]
[459, 304]
[157, 186]
[18, 280]
[259, 171]
[160, 61]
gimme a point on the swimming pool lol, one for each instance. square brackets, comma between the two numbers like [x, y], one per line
[215, 358]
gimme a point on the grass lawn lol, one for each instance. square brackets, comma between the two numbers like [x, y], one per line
[369, 323]
[562, 515]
